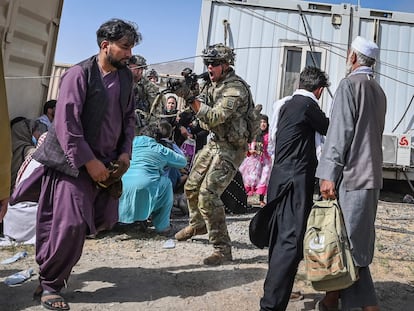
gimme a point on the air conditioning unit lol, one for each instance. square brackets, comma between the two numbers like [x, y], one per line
[389, 148]
[396, 149]
[404, 150]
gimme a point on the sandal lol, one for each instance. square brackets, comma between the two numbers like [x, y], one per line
[320, 306]
[295, 296]
[38, 293]
[54, 302]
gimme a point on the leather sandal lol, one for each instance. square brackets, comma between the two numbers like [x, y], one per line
[38, 293]
[54, 302]
[295, 296]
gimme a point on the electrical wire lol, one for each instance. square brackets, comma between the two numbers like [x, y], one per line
[251, 12]
[403, 116]
[310, 44]
[326, 45]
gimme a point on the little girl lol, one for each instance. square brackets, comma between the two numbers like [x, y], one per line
[257, 166]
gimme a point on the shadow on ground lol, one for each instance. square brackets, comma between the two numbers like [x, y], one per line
[120, 285]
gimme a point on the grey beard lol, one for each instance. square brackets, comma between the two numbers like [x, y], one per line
[348, 68]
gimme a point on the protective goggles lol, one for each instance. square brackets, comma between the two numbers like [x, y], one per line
[213, 63]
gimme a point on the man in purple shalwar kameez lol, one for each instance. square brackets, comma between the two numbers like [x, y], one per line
[94, 125]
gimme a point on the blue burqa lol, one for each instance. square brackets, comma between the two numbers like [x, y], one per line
[146, 190]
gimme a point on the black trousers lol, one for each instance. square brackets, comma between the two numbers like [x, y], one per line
[285, 249]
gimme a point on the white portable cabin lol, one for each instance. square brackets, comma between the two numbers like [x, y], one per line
[275, 39]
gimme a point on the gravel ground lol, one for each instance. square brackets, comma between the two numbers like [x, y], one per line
[130, 270]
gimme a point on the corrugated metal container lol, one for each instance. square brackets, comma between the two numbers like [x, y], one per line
[28, 30]
[57, 71]
[269, 37]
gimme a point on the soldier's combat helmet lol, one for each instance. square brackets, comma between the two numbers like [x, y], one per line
[219, 52]
[138, 60]
[152, 74]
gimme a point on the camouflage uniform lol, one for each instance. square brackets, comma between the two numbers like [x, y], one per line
[148, 99]
[152, 74]
[146, 96]
[223, 110]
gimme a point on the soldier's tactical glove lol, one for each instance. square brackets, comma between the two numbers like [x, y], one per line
[182, 90]
[185, 92]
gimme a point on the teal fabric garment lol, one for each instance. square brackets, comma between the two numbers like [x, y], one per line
[146, 191]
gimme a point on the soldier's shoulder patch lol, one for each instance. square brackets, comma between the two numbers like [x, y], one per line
[230, 102]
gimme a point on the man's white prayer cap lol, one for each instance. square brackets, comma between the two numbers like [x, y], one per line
[366, 47]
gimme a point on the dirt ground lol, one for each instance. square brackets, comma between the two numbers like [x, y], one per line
[130, 270]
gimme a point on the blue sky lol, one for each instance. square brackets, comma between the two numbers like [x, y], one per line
[169, 27]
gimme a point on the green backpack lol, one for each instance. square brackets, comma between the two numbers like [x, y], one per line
[328, 260]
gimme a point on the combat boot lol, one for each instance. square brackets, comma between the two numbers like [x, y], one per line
[188, 232]
[219, 256]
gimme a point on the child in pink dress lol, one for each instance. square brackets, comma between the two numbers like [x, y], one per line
[257, 166]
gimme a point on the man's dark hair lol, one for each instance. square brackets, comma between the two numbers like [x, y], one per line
[185, 118]
[312, 78]
[50, 104]
[151, 130]
[39, 127]
[165, 129]
[116, 29]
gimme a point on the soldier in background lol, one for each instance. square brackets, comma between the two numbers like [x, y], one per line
[146, 92]
[152, 75]
[222, 108]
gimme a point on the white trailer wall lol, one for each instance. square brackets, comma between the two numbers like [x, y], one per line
[394, 33]
[262, 30]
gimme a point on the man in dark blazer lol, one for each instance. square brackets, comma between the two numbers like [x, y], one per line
[291, 185]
